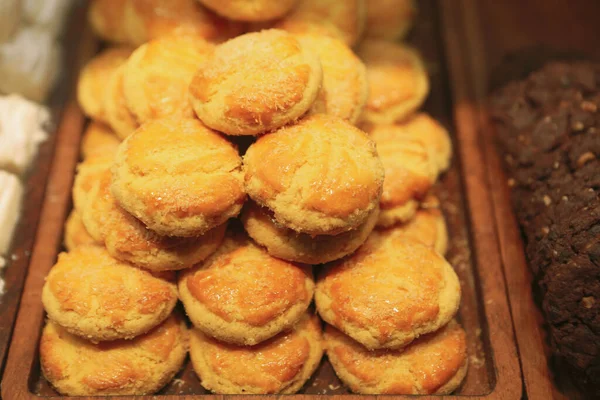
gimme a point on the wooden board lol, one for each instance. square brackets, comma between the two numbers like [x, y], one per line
[493, 42]
[18, 258]
[494, 371]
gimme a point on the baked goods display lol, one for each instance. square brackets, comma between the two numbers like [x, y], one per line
[241, 174]
[547, 126]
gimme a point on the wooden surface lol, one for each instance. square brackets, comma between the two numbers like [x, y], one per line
[495, 42]
[494, 371]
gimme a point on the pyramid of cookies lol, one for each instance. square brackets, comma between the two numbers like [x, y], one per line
[244, 159]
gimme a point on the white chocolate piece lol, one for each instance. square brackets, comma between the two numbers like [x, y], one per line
[49, 15]
[10, 208]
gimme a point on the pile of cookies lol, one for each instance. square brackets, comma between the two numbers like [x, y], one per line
[244, 159]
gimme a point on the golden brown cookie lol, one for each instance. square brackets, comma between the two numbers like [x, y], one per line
[91, 86]
[428, 226]
[140, 366]
[99, 298]
[323, 175]
[398, 81]
[75, 233]
[127, 239]
[433, 364]
[433, 135]
[99, 139]
[178, 177]
[345, 88]
[88, 172]
[287, 244]
[389, 19]
[344, 20]
[158, 74]
[279, 365]
[242, 295]
[389, 292]
[410, 171]
[137, 21]
[253, 10]
[119, 117]
[255, 83]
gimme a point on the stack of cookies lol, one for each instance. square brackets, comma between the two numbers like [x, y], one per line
[222, 173]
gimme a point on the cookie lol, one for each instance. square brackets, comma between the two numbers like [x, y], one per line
[344, 20]
[433, 364]
[345, 88]
[242, 295]
[398, 81]
[279, 365]
[96, 297]
[75, 233]
[389, 19]
[140, 366]
[323, 175]
[255, 10]
[107, 19]
[256, 83]
[127, 239]
[118, 115]
[157, 75]
[99, 139]
[91, 86]
[287, 244]
[410, 172]
[433, 135]
[88, 172]
[389, 292]
[178, 177]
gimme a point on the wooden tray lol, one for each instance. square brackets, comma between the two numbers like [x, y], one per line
[492, 42]
[35, 185]
[494, 371]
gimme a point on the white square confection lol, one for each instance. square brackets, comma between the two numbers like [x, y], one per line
[11, 193]
[21, 131]
[49, 15]
[10, 16]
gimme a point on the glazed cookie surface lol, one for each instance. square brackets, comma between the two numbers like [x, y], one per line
[398, 81]
[253, 10]
[255, 83]
[389, 292]
[88, 172]
[242, 295]
[345, 88]
[118, 115]
[433, 364]
[323, 176]
[178, 177]
[94, 296]
[287, 244]
[75, 233]
[157, 76]
[279, 365]
[140, 366]
[433, 135]
[99, 139]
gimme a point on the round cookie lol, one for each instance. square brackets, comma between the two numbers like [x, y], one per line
[127, 239]
[323, 175]
[433, 135]
[158, 74]
[345, 88]
[344, 20]
[398, 81]
[178, 177]
[75, 233]
[99, 298]
[287, 244]
[428, 227]
[389, 292]
[88, 172]
[107, 19]
[433, 364]
[152, 19]
[242, 295]
[119, 117]
[280, 365]
[255, 83]
[91, 86]
[253, 10]
[140, 366]
[389, 19]
[99, 139]
[410, 172]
